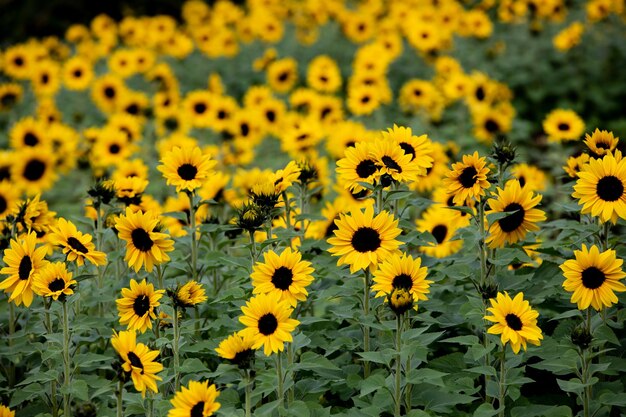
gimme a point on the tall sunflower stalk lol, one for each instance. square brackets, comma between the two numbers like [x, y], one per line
[192, 233]
[67, 364]
[53, 384]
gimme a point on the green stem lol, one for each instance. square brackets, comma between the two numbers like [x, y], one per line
[175, 349]
[99, 270]
[502, 383]
[53, 383]
[291, 393]
[606, 230]
[379, 199]
[398, 375]
[150, 407]
[66, 362]
[192, 232]
[252, 247]
[585, 380]
[119, 394]
[159, 276]
[280, 393]
[408, 388]
[248, 394]
[366, 328]
[481, 244]
[11, 335]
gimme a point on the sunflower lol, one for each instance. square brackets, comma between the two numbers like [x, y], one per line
[190, 294]
[23, 262]
[196, 401]
[402, 272]
[267, 322]
[37, 217]
[54, 280]
[9, 198]
[601, 142]
[563, 125]
[186, 168]
[323, 74]
[363, 99]
[238, 350]
[601, 188]
[420, 148]
[391, 160]
[285, 274]
[575, 163]
[144, 244]
[442, 225]
[515, 321]
[357, 166]
[282, 74]
[28, 132]
[111, 148]
[138, 361]
[6, 412]
[468, 179]
[129, 189]
[362, 240]
[137, 306]
[521, 203]
[76, 245]
[77, 73]
[529, 176]
[106, 92]
[10, 94]
[593, 277]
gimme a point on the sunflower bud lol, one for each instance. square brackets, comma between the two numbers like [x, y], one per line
[251, 217]
[503, 152]
[87, 409]
[264, 195]
[102, 191]
[188, 295]
[581, 337]
[308, 173]
[400, 301]
[488, 291]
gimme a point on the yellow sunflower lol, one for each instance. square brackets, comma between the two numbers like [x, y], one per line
[23, 262]
[144, 244]
[267, 322]
[9, 198]
[196, 401]
[601, 142]
[54, 280]
[420, 148]
[357, 166]
[186, 168]
[393, 161]
[515, 321]
[137, 306]
[442, 225]
[10, 94]
[6, 412]
[33, 170]
[237, 349]
[468, 179]
[601, 188]
[575, 163]
[282, 74]
[190, 294]
[402, 272]
[362, 240]
[138, 361]
[285, 274]
[563, 125]
[521, 203]
[77, 246]
[593, 277]
[77, 73]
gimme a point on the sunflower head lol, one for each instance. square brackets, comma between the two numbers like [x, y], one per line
[54, 281]
[251, 217]
[601, 142]
[237, 350]
[400, 301]
[189, 294]
[102, 192]
[503, 152]
[581, 337]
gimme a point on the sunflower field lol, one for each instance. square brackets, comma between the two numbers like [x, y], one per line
[317, 208]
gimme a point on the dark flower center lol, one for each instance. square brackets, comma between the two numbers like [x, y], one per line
[109, 92]
[114, 149]
[187, 172]
[492, 126]
[171, 123]
[45, 78]
[366, 239]
[26, 265]
[199, 108]
[468, 177]
[245, 129]
[366, 168]
[76, 245]
[610, 188]
[282, 278]
[283, 77]
[3, 204]
[522, 181]
[480, 93]
[57, 285]
[19, 61]
[132, 109]
[78, 73]
[593, 278]
[30, 139]
[141, 240]
[221, 114]
[408, 149]
[270, 115]
[135, 361]
[512, 221]
[391, 164]
[513, 322]
[141, 305]
[34, 170]
[563, 127]
[365, 99]
[268, 324]
[403, 281]
[439, 232]
[8, 99]
[197, 410]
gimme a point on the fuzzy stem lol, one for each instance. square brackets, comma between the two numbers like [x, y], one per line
[159, 276]
[118, 395]
[398, 375]
[53, 383]
[175, 349]
[291, 393]
[99, 271]
[280, 393]
[192, 232]
[366, 329]
[11, 334]
[66, 362]
[502, 383]
[252, 247]
[248, 394]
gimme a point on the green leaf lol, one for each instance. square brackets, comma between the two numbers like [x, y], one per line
[485, 410]
[371, 384]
